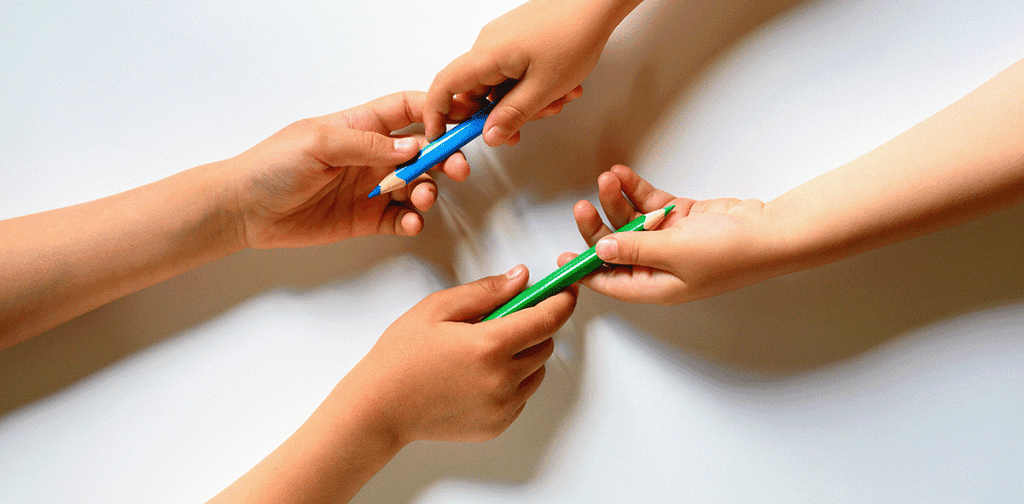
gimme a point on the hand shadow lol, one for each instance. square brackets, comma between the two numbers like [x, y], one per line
[651, 64]
[816, 318]
[58, 358]
[648, 64]
[513, 458]
[653, 59]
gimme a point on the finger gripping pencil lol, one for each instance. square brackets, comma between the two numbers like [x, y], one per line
[581, 266]
[436, 151]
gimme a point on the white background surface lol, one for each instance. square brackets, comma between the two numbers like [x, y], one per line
[895, 376]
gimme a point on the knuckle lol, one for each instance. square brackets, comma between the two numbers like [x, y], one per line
[493, 283]
[515, 114]
[312, 132]
[536, 379]
[491, 393]
[488, 351]
[545, 353]
[498, 403]
[549, 320]
[494, 408]
[487, 287]
[493, 27]
[433, 303]
[630, 250]
[305, 125]
[397, 227]
[437, 94]
[372, 142]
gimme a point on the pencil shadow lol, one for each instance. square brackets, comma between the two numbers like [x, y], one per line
[650, 65]
[785, 327]
[652, 61]
[561, 156]
[816, 318]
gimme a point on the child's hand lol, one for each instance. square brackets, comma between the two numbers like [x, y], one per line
[308, 183]
[703, 248]
[550, 46]
[436, 374]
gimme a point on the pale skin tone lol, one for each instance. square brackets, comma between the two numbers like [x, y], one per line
[434, 374]
[961, 164]
[549, 46]
[965, 162]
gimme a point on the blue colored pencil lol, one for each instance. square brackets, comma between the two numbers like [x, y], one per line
[436, 151]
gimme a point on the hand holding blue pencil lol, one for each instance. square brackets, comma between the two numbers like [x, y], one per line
[436, 151]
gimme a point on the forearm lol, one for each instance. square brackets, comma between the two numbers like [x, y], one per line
[430, 376]
[587, 15]
[62, 263]
[617, 10]
[965, 162]
[328, 459]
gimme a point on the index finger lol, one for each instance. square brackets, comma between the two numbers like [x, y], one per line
[382, 115]
[644, 196]
[464, 74]
[398, 110]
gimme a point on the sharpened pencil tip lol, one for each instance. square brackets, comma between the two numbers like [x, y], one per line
[669, 209]
[374, 192]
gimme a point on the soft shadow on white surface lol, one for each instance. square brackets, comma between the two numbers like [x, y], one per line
[63, 355]
[795, 329]
[813, 319]
[648, 64]
[512, 459]
[559, 157]
[759, 340]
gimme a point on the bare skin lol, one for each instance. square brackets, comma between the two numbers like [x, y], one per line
[434, 374]
[965, 162]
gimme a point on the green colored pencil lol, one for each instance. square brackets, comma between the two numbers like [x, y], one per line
[575, 269]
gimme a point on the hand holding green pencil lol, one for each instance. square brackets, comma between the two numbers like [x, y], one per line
[574, 270]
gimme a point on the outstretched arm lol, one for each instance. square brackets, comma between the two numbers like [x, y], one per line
[305, 185]
[964, 162]
[434, 374]
[549, 46]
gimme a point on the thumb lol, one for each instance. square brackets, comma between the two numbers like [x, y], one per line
[478, 299]
[350, 147]
[637, 248]
[517, 107]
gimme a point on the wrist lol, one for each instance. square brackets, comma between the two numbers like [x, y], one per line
[227, 205]
[802, 236]
[360, 404]
[612, 12]
[328, 459]
[787, 242]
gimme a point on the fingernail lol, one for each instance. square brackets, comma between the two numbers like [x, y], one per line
[515, 272]
[405, 144]
[607, 249]
[495, 135]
